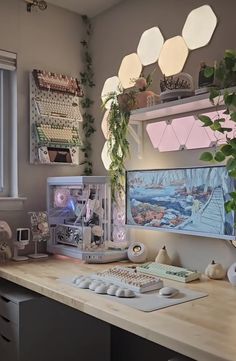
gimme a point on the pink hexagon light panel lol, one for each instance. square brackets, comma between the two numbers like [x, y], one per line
[187, 133]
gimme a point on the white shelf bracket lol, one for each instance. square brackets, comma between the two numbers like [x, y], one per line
[136, 131]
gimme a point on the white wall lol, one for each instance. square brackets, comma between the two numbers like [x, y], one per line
[43, 40]
[116, 34]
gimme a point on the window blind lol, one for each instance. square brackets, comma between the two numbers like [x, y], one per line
[7, 60]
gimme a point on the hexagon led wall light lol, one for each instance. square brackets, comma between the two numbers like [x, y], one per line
[111, 85]
[130, 70]
[187, 133]
[105, 125]
[150, 45]
[199, 27]
[105, 156]
[173, 56]
[198, 137]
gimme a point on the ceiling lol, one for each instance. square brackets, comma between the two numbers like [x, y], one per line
[90, 8]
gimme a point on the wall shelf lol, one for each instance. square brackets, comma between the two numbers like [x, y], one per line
[179, 107]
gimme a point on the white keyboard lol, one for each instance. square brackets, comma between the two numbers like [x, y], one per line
[172, 272]
[129, 278]
[48, 134]
[56, 109]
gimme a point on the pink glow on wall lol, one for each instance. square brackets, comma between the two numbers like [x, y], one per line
[182, 127]
[169, 140]
[188, 133]
[155, 132]
[198, 137]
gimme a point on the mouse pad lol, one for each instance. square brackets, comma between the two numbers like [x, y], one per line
[149, 301]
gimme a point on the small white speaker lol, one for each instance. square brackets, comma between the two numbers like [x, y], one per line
[137, 252]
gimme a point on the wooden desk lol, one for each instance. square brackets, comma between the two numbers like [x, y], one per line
[204, 329]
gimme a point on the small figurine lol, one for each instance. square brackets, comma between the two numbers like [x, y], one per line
[163, 257]
[215, 271]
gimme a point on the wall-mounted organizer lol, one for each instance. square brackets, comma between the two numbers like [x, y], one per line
[55, 118]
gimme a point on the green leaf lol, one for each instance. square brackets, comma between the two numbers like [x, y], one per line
[216, 125]
[232, 173]
[230, 53]
[233, 195]
[228, 206]
[214, 93]
[226, 149]
[206, 157]
[206, 120]
[232, 142]
[233, 116]
[209, 71]
[219, 156]
[231, 164]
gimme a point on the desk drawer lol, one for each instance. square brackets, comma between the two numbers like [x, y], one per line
[8, 329]
[9, 309]
[8, 349]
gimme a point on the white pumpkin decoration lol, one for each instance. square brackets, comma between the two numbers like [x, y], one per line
[232, 274]
[215, 271]
[163, 257]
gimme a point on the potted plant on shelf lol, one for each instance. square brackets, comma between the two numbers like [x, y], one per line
[222, 95]
[118, 123]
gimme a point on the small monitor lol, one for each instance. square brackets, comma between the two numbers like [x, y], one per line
[22, 234]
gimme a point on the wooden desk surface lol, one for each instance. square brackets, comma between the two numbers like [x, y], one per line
[203, 329]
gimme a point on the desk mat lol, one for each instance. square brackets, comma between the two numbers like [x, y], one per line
[149, 301]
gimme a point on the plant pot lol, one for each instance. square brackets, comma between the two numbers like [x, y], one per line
[142, 98]
[127, 102]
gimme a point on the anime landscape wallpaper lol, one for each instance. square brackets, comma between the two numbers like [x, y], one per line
[189, 199]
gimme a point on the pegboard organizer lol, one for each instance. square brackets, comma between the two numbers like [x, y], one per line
[56, 122]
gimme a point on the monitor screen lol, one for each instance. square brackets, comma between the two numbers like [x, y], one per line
[181, 200]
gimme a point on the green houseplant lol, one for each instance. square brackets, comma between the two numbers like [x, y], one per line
[118, 145]
[118, 123]
[222, 95]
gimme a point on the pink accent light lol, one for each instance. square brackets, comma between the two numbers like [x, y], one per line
[188, 132]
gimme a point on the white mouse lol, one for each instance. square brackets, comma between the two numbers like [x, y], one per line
[168, 291]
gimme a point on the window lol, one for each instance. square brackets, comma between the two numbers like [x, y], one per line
[8, 133]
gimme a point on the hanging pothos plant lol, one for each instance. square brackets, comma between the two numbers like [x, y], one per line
[118, 123]
[225, 77]
[87, 80]
[118, 146]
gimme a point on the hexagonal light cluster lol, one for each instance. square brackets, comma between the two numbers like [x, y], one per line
[111, 85]
[173, 56]
[150, 45]
[187, 133]
[105, 125]
[130, 70]
[199, 27]
[105, 156]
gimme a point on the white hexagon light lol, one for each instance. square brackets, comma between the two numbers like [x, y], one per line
[199, 27]
[130, 70]
[105, 125]
[105, 156]
[150, 45]
[173, 56]
[111, 85]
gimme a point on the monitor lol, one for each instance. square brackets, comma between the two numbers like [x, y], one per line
[181, 200]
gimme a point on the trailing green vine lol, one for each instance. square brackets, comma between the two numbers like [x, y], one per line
[118, 147]
[87, 80]
[225, 77]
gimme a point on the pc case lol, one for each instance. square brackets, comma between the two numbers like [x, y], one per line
[79, 216]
